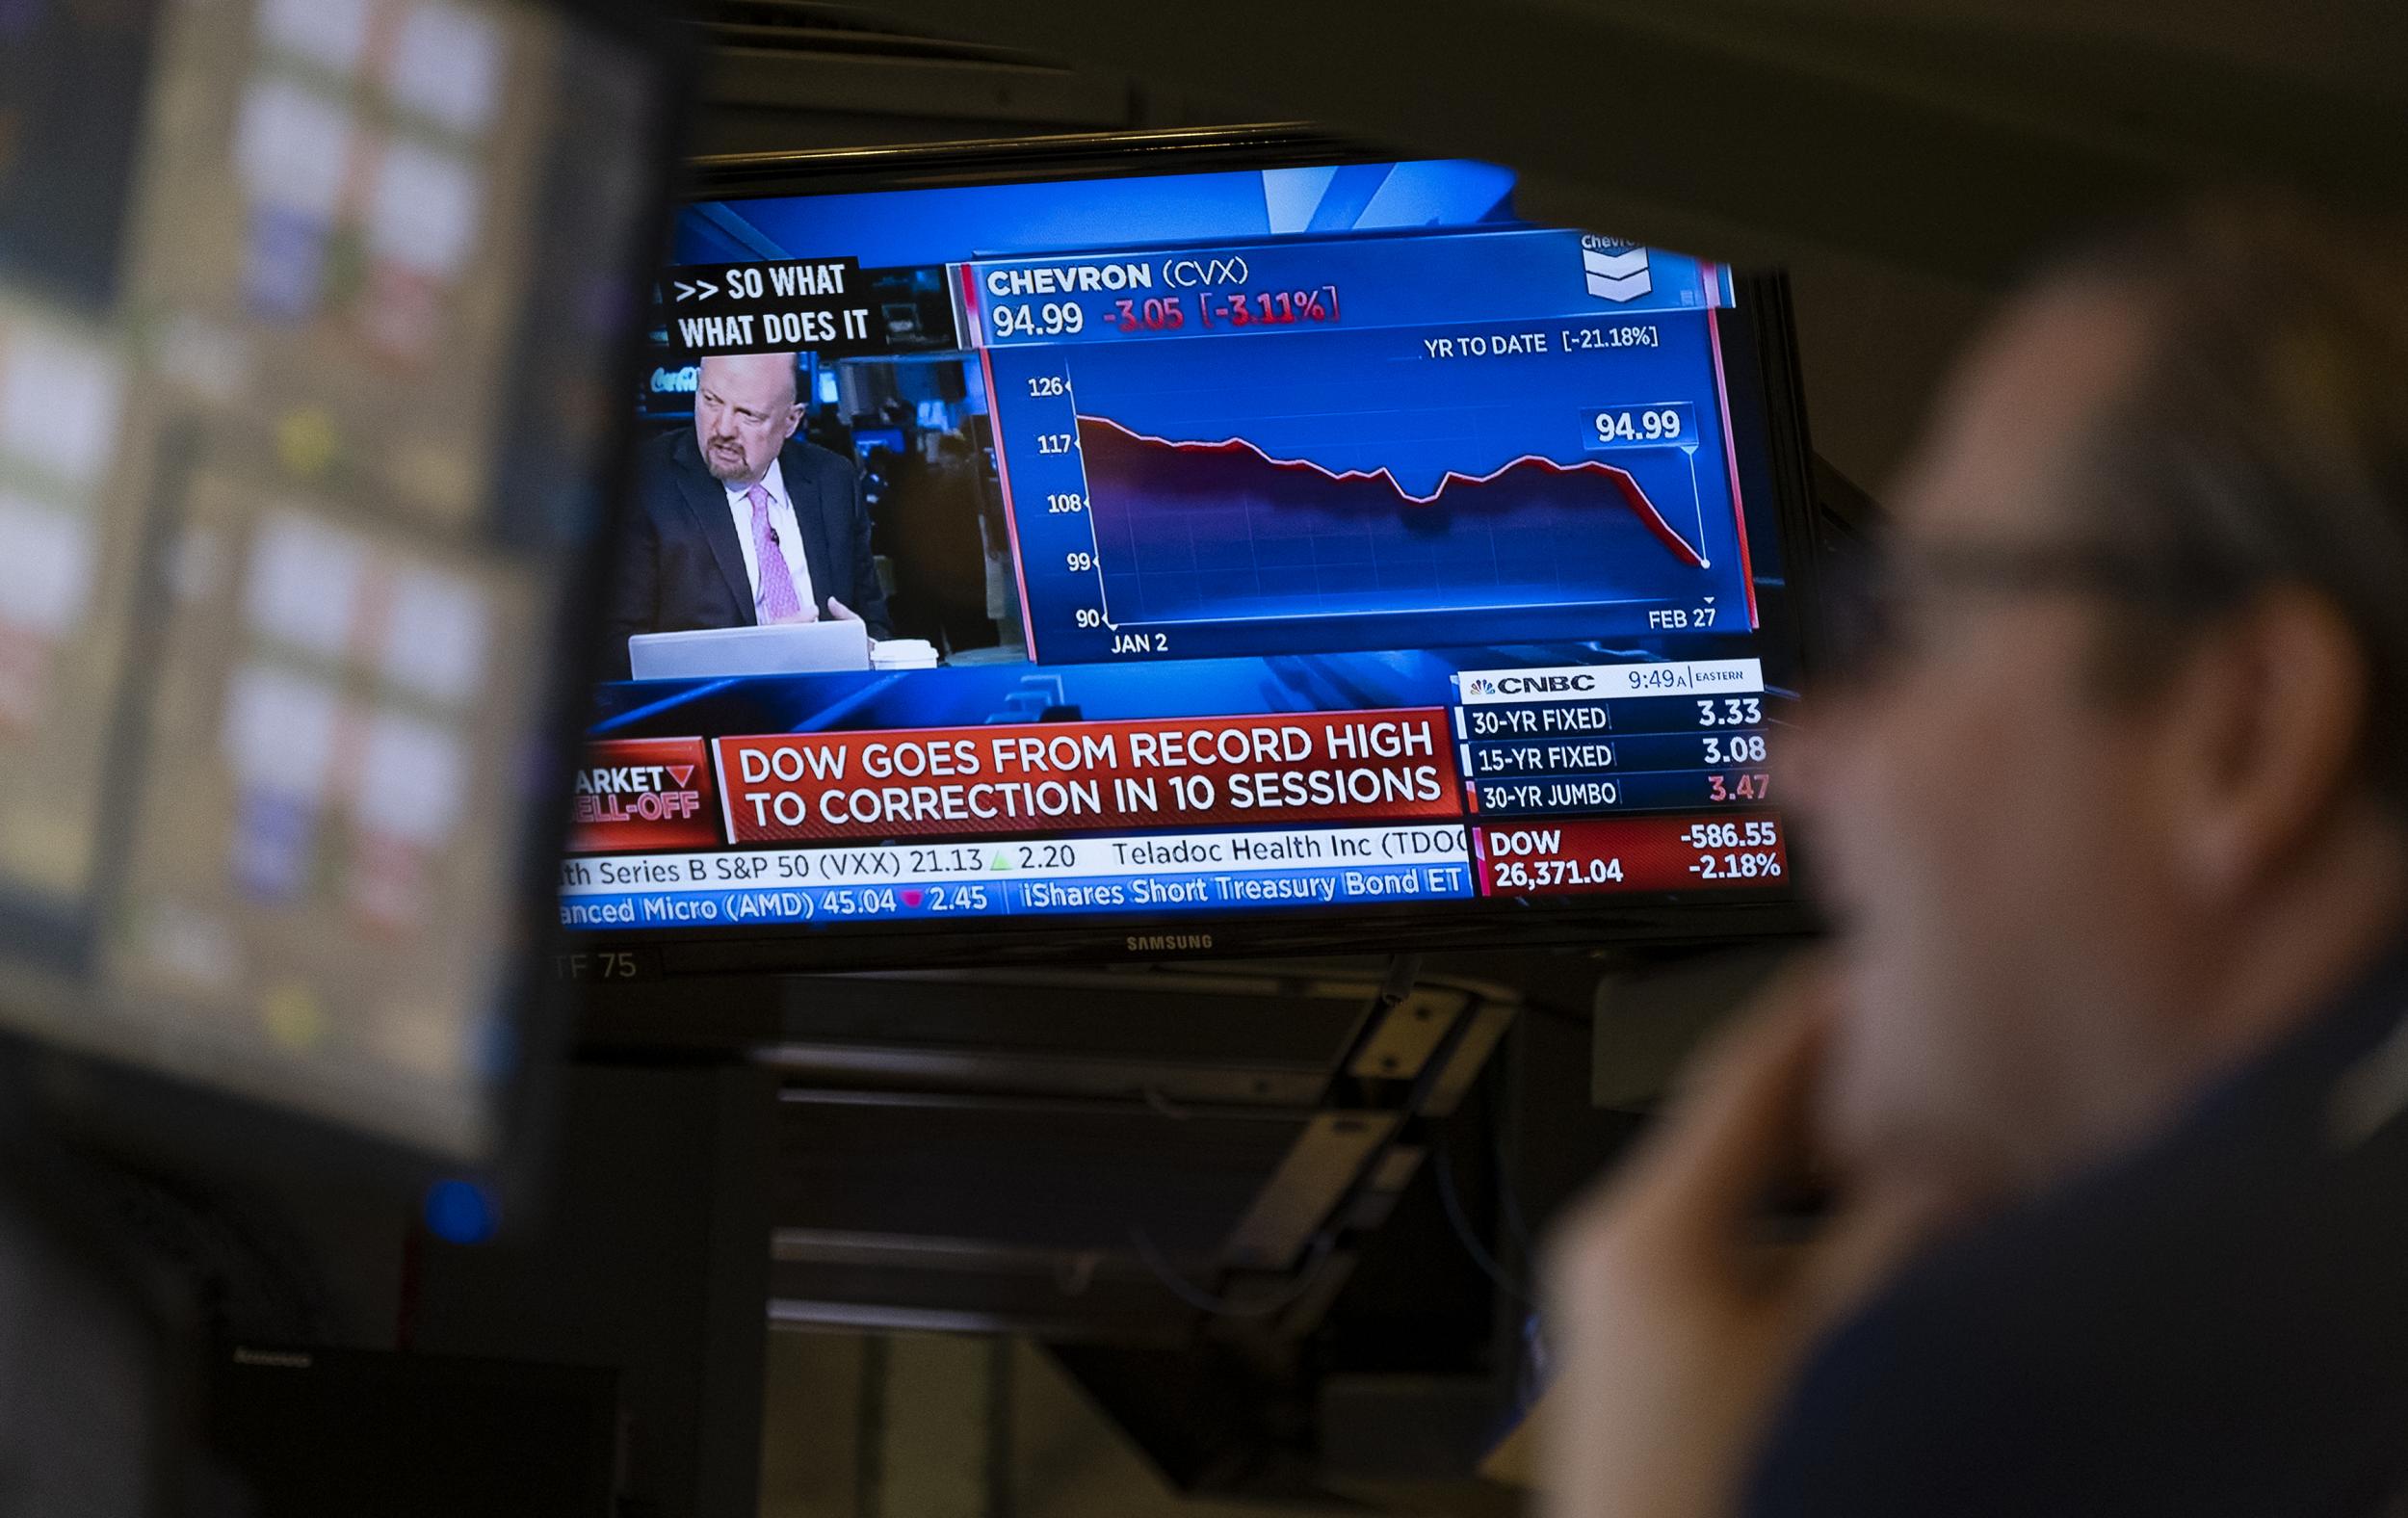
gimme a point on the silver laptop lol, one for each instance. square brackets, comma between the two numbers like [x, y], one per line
[712, 652]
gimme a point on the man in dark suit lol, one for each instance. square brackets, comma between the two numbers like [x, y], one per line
[740, 523]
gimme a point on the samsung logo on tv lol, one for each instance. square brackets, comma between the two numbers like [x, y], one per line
[1161, 943]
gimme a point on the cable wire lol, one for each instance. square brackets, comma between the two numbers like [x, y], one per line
[1508, 1203]
[1204, 1302]
[1469, 1241]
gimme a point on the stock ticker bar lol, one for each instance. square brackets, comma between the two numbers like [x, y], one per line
[1516, 790]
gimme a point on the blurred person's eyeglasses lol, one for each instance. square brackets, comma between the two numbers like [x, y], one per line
[1889, 598]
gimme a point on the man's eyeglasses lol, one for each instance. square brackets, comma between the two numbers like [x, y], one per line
[1887, 597]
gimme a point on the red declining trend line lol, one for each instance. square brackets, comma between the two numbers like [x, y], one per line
[1633, 495]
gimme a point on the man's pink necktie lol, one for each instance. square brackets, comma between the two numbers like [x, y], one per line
[777, 601]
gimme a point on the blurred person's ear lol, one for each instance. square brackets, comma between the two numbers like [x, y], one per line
[2265, 739]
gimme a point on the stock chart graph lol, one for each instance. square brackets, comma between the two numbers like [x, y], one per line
[1214, 531]
[1350, 490]
[1334, 474]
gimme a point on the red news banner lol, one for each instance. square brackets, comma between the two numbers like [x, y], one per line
[1352, 767]
[644, 794]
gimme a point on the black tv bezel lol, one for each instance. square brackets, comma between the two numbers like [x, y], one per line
[151, 1117]
[1762, 316]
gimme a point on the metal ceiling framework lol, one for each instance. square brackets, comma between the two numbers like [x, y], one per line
[1947, 136]
[1116, 1156]
[789, 56]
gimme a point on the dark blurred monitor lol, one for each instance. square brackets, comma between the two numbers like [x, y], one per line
[868, 440]
[314, 1434]
[306, 448]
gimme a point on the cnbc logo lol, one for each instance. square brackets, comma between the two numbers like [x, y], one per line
[1616, 270]
[1564, 683]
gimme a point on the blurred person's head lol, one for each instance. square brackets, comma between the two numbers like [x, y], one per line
[2120, 798]
[745, 408]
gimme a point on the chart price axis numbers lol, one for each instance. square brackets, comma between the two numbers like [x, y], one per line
[1053, 505]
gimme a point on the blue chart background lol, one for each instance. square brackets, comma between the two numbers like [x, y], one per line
[1183, 537]
[1207, 553]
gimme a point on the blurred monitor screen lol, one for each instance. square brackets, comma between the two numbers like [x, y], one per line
[868, 440]
[309, 314]
[1294, 553]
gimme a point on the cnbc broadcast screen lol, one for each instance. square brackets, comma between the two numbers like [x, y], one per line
[1037, 556]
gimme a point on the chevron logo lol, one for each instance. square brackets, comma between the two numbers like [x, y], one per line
[1615, 271]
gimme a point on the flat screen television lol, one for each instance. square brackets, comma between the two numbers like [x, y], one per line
[1266, 547]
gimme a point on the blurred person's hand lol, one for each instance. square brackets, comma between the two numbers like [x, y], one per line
[839, 611]
[1678, 1310]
